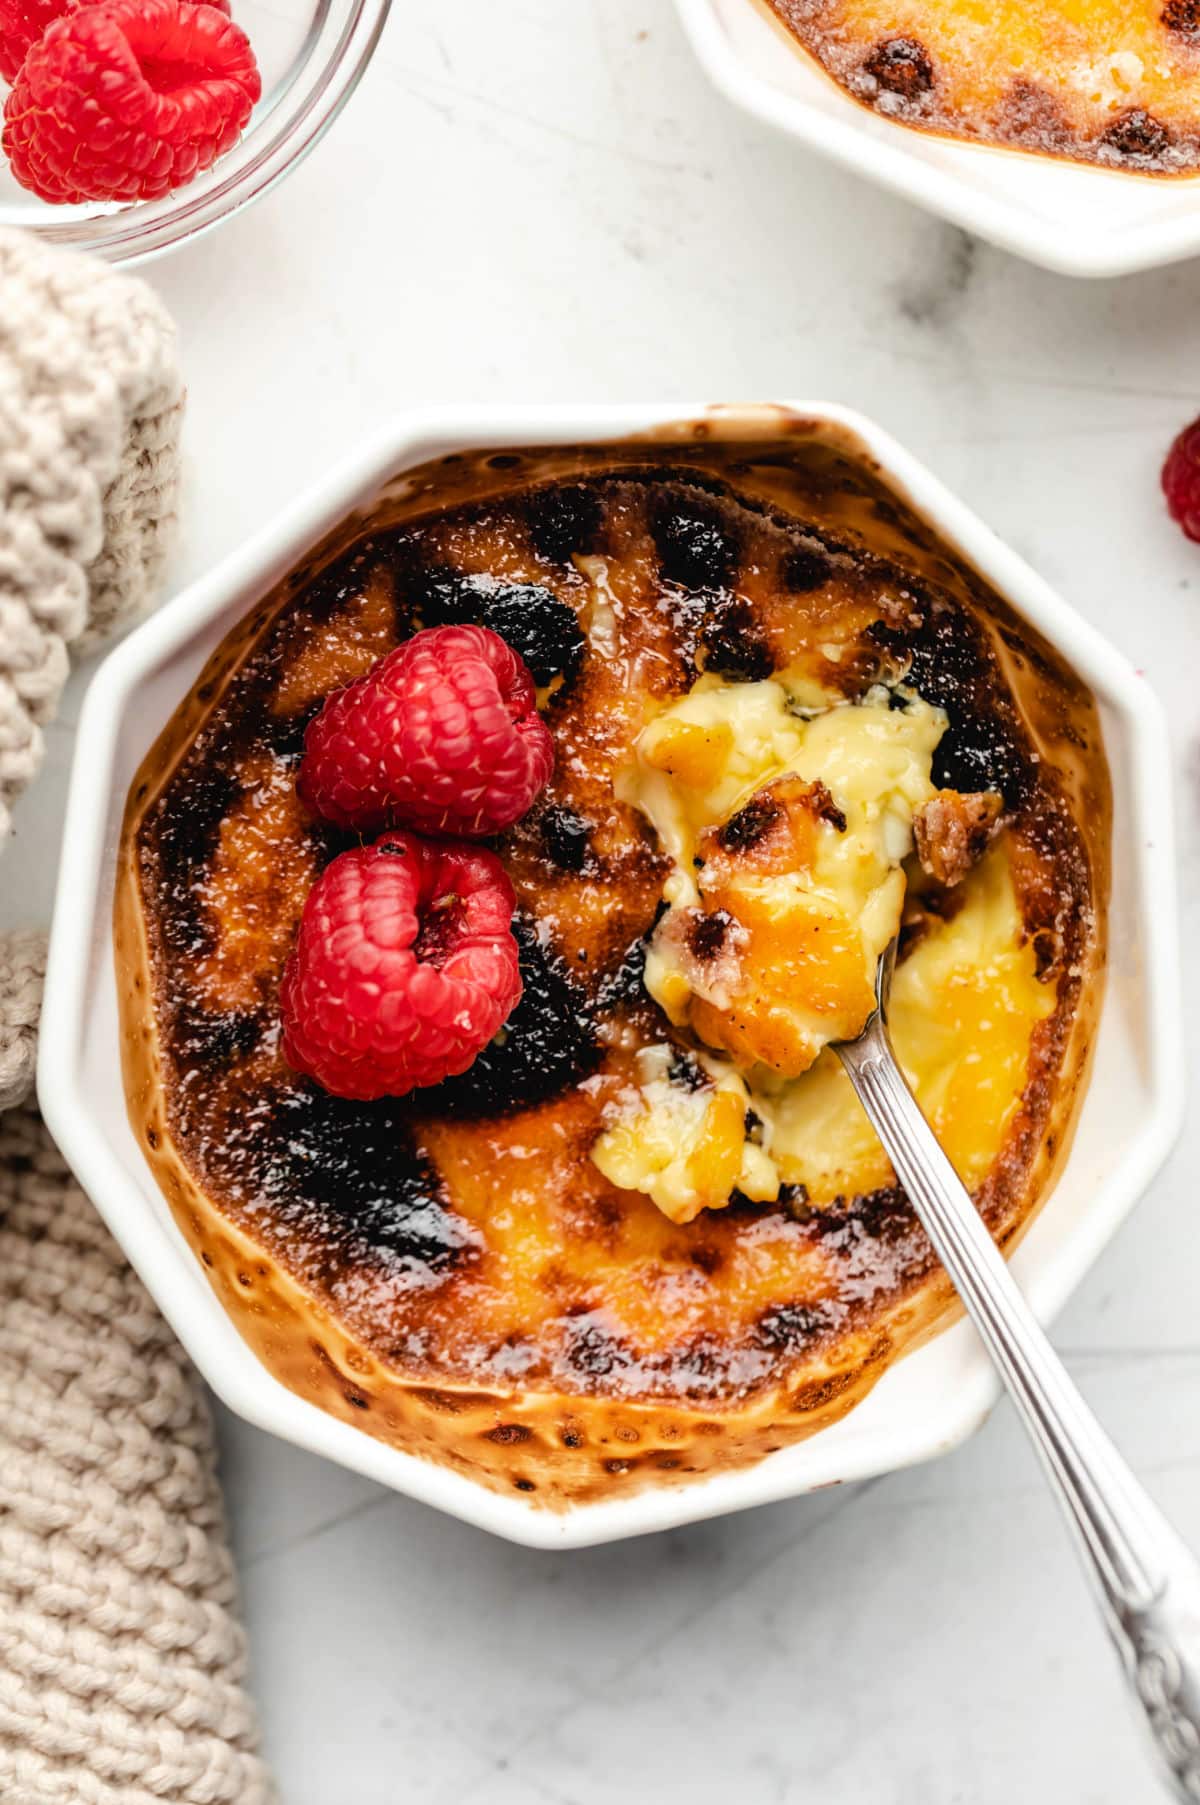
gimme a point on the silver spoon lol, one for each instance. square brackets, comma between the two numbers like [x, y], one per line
[1146, 1579]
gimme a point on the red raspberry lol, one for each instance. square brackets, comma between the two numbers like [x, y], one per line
[22, 23]
[441, 735]
[1181, 480]
[126, 99]
[404, 967]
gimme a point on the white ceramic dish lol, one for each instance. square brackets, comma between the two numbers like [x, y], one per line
[924, 1405]
[1071, 217]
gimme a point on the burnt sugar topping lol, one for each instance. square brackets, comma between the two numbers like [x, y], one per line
[1107, 81]
[645, 1231]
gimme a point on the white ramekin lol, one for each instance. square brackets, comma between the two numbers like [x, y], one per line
[1080, 219]
[929, 1401]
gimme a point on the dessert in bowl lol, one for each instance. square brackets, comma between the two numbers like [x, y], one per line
[639, 1248]
[1050, 133]
[1101, 82]
[646, 1232]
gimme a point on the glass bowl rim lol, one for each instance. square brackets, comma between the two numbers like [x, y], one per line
[293, 123]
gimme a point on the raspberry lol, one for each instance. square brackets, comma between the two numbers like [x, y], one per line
[442, 735]
[1181, 480]
[22, 23]
[126, 99]
[404, 967]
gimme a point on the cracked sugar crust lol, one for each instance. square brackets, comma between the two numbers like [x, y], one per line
[442, 1268]
[1111, 83]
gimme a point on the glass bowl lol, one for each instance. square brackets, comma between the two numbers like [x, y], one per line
[312, 54]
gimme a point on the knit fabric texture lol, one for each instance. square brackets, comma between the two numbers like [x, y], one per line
[121, 1658]
[22, 967]
[90, 409]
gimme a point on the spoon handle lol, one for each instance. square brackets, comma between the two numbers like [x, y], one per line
[1147, 1581]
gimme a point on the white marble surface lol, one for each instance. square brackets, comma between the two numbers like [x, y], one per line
[544, 200]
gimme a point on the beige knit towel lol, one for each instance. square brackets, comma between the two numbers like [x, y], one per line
[121, 1660]
[90, 406]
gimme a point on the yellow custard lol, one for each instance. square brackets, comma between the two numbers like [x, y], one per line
[769, 946]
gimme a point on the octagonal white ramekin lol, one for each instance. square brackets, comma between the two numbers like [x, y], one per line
[930, 1400]
[1076, 218]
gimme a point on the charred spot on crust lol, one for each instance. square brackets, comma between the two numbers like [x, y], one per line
[805, 569]
[539, 627]
[886, 1215]
[510, 1435]
[626, 985]
[901, 66]
[881, 1218]
[707, 934]
[204, 1041]
[565, 837]
[1137, 136]
[535, 622]
[695, 549]
[592, 1349]
[980, 756]
[187, 831]
[790, 1327]
[734, 646]
[563, 520]
[179, 837]
[547, 1043]
[356, 1168]
[1182, 16]
[743, 831]
[949, 667]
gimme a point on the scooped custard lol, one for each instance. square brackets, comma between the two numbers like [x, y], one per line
[1102, 81]
[648, 1233]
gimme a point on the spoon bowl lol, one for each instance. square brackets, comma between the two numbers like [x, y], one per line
[1146, 1580]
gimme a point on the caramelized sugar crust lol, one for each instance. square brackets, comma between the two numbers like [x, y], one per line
[1101, 81]
[451, 1272]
